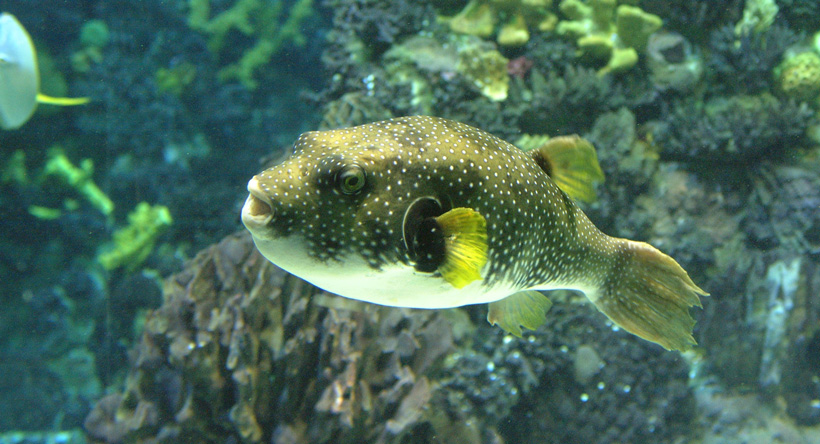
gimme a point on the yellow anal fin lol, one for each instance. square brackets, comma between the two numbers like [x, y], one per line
[465, 245]
[523, 309]
[648, 294]
[572, 164]
[61, 101]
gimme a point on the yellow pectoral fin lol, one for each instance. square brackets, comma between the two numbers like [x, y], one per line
[572, 164]
[61, 101]
[465, 240]
[523, 309]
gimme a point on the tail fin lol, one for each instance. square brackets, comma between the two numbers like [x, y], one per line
[649, 294]
[62, 101]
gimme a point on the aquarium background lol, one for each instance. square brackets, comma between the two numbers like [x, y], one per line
[134, 308]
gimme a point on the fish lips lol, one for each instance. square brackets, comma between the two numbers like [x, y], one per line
[257, 213]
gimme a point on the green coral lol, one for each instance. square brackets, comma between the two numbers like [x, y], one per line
[59, 167]
[14, 169]
[257, 18]
[608, 33]
[175, 80]
[94, 36]
[132, 244]
[516, 17]
[758, 15]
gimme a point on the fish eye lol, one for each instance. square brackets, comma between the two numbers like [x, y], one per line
[351, 179]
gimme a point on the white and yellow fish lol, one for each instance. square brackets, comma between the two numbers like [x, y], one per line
[20, 76]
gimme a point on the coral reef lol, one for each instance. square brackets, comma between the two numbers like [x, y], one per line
[692, 18]
[132, 244]
[94, 35]
[758, 16]
[60, 168]
[241, 352]
[225, 358]
[672, 63]
[606, 33]
[233, 340]
[744, 63]
[798, 76]
[737, 129]
[257, 19]
[563, 103]
[800, 14]
[481, 18]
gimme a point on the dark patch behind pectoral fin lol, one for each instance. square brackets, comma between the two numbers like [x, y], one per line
[465, 245]
[523, 309]
[571, 162]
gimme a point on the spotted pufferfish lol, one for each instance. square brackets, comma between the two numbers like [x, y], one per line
[425, 212]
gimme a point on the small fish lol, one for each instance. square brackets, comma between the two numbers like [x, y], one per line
[425, 212]
[20, 76]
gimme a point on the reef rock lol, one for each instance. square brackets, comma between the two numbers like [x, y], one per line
[240, 351]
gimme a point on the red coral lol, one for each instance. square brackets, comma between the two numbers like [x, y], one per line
[519, 67]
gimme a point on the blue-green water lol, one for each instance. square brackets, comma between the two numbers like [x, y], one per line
[136, 309]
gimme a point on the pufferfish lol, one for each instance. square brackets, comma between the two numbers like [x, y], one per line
[425, 212]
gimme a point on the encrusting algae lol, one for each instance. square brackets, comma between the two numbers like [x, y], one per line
[425, 212]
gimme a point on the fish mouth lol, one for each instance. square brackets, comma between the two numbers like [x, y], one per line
[257, 212]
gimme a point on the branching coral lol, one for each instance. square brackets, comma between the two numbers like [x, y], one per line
[608, 33]
[79, 178]
[517, 17]
[259, 19]
[133, 243]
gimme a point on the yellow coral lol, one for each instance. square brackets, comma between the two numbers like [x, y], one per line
[481, 17]
[606, 32]
[799, 76]
[132, 244]
[79, 178]
[486, 68]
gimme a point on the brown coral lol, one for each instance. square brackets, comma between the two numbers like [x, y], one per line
[241, 351]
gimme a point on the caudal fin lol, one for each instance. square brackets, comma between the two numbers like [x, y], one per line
[648, 294]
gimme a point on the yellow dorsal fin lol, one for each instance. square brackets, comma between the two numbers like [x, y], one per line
[465, 245]
[572, 164]
[61, 101]
[523, 309]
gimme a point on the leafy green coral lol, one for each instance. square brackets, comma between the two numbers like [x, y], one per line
[132, 244]
[607, 32]
[481, 17]
[257, 18]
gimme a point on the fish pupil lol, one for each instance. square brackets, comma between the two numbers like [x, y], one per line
[352, 179]
[428, 243]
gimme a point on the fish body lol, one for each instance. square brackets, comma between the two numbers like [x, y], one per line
[20, 77]
[425, 212]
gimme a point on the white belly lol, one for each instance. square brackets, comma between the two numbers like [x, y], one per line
[394, 285]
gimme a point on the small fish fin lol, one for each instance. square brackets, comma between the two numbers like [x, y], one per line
[62, 101]
[648, 294]
[572, 164]
[523, 309]
[465, 240]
